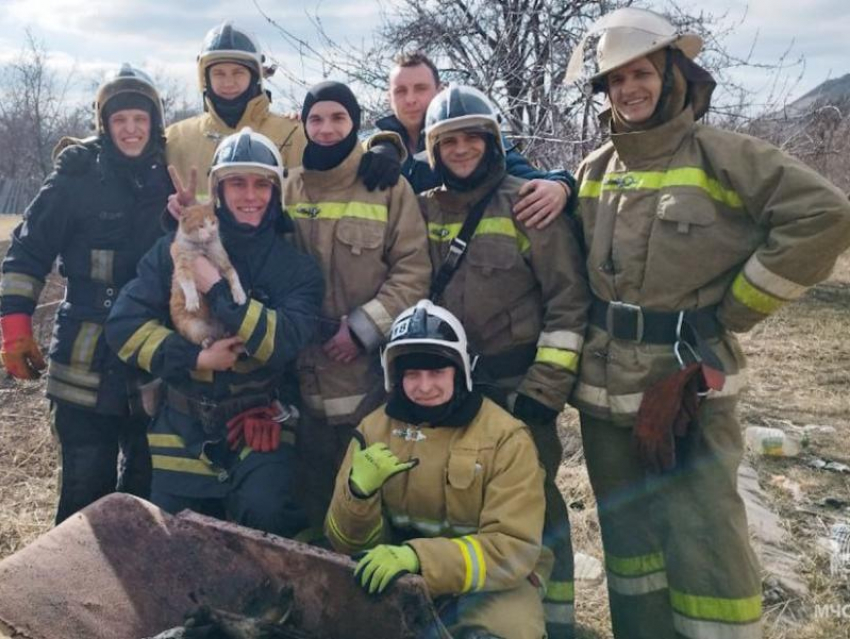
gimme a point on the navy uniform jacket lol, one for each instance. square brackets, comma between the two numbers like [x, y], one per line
[422, 178]
[285, 292]
[98, 222]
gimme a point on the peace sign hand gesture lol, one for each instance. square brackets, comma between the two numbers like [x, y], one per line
[184, 195]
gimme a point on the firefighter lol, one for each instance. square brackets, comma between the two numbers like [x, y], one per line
[444, 483]
[221, 444]
[692, 234]
[414, 81]
[521, 294]
[373, 253]
[230, 74]
[98, 222]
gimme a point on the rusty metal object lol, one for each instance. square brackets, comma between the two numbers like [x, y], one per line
[122, 568]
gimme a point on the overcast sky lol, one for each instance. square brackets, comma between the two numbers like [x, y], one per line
[163, 36]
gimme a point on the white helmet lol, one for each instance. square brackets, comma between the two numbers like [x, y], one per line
[426, 328]
[459, 107]
[626, 35]
[226, 43]
[246, 152]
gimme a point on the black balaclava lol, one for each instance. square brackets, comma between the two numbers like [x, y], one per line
[491, 163]
[460, 410]
[231, 110]
[121, 102]
[324, 158]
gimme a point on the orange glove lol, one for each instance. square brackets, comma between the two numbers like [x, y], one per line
[667, 413]
[20, 354]
[257, 427]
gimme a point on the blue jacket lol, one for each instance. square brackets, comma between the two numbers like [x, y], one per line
[422, 177]
[285, 292]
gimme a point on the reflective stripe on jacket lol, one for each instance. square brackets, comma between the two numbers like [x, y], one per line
[472, 509]
[687, 216]
[516, 286]
[373, 253]
[98, 223]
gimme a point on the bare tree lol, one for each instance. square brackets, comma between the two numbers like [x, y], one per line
[34, 114]
[517, 52]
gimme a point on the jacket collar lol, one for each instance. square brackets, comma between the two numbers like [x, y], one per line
[342, 176]
[392, 123]
[256, 111]
[646, 147]
[461, 202]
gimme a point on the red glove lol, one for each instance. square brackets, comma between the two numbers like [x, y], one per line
[668, 411]
[20, 354]
[258, 428]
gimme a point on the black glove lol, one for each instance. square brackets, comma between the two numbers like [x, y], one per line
[533, 412]
[74, 160]
[380, 166]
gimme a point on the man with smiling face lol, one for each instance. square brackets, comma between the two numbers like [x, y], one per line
[218, 443]
[373, 251]
[415, 81]
[98, 222]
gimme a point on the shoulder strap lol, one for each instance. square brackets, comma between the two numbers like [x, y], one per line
[458, 246]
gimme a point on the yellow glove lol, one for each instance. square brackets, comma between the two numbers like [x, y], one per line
[382, 565]
[371, 467]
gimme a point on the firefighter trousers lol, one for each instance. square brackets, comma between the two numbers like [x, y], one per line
[559, 601]
[513, 614]
[263, 495]
[100, 454]
[677, 553]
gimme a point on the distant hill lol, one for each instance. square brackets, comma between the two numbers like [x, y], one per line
[834, 91]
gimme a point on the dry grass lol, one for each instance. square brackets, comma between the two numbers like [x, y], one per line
[800, 374]
[7, 225]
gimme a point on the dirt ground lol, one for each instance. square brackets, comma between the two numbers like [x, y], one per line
[799, 366]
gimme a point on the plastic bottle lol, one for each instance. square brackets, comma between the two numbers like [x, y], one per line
[772, 442]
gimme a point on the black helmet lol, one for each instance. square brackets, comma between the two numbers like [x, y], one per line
[459, 107]
[426, 328]
[246, 152]
[226, 43]
[128, 79]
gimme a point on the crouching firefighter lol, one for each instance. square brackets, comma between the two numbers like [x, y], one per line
[221, 445]
[521, 294]
[691, 233]
[98, 221]
[442, 482]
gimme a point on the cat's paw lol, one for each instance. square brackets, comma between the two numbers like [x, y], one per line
[238, 293]
[207, 342]
[193, 303]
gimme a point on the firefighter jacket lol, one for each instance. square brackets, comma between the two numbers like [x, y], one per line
[517, 290]
[686, 216]
[284, 289]
[192, 142]
[472, 509]
[373, 252]
[99, 223]
[422, 177]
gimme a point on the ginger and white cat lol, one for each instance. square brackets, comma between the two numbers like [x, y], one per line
[197, 235]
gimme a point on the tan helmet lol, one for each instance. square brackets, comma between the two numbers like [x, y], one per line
[226, 43]
[626, 35]
[459, 107]
[127, 79]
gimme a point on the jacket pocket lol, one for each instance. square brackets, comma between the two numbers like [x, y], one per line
[359, 235]
[464, 490]
[686, 210]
